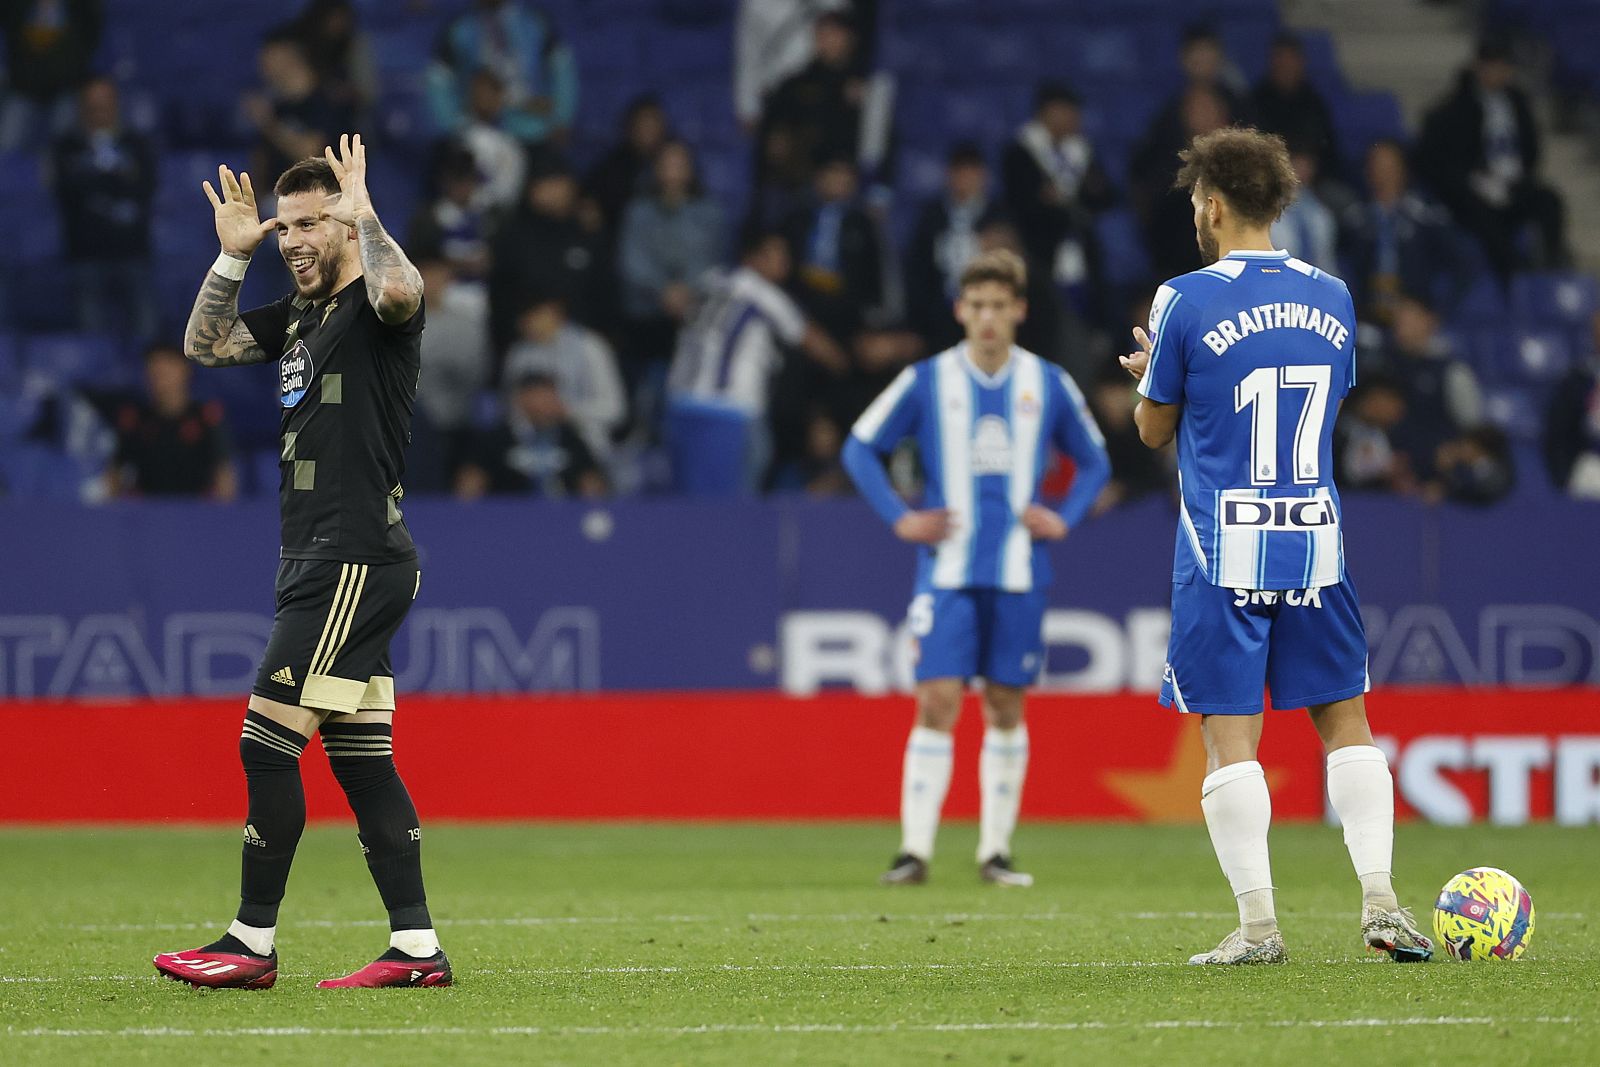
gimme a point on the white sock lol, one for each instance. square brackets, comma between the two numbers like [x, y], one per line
[257, 938]
[419, 944]
[1361, 790]
[1002, 767]
[929, 754]
[1238, 811]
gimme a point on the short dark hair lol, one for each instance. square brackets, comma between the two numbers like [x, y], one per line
[1197, 32]
[840, 19]
[1250, 169]
[966, 154]
[997, 265]
[1054, 92]
[540, 298]
[755, 238]
[310, 175]
[162, 349]
[1289, 39]
[1493, 48]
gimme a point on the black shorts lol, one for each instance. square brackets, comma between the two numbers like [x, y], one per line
[329, 647]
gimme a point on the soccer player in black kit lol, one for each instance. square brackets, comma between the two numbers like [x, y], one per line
[348, 346]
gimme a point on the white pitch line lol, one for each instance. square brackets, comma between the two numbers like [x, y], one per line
[756, 917]
[753, 917]
[730, 968]
[791, 1028]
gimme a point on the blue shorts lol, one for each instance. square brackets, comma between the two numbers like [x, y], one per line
[1308, 646]
[978, 633]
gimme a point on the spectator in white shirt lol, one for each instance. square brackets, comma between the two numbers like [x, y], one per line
[721, 376]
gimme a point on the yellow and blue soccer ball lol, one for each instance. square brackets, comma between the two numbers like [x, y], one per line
[1483, 914]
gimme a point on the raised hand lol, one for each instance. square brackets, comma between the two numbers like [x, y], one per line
[239, 227]
[1136, 363]
[350, 168]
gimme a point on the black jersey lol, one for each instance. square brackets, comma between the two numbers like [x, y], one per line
[348, 387]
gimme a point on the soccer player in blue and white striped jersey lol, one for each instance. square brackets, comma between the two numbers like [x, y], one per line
[985, 416]
[1246, 362]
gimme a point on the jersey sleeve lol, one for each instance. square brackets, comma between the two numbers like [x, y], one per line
[1172, 315]
[890, 418]
[410, 327]
[787, 320]
[267, 324]
[1074, 432]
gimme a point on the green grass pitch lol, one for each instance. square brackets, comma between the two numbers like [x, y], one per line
[772, 944]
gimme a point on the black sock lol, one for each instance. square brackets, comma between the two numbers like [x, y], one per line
[270, 753]
[362, 757]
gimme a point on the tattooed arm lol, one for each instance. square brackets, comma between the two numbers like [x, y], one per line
[394, 285]
[216, 336]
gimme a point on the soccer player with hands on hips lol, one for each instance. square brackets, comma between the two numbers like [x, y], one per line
[984, 416]
[348, 345]
[1245, 362]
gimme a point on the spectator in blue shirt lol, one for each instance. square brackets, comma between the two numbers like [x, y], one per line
[522, 47]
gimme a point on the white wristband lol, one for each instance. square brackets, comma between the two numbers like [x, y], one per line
[230, 267]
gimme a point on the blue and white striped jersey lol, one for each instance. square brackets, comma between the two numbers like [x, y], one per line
[985, 444]
[729, 351]
[1259, 348]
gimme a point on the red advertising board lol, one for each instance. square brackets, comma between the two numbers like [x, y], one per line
[1459, 755]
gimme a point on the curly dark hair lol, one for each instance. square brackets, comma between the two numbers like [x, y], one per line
[1250, 169]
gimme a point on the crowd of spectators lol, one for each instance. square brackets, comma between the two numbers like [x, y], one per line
[613, 328]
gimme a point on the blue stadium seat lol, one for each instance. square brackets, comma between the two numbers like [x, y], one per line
[75, 357]
[1483, 303]
[1553, 300]
[1540, 356]
[985, 115]
[920, 173]
[41, 473]
[1518, 410]
[1362, 118]
[10, 362]
[673, 55]
[1122, 248]
[41, 296]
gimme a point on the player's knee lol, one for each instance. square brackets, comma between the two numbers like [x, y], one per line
[359, 774]
[938, 710]
[267, 747]
[1002, 707]
[360, 754]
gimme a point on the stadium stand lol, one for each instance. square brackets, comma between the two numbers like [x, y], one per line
[958, 76]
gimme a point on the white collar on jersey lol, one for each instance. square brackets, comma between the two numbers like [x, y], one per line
[988, 381]
[1256, 253]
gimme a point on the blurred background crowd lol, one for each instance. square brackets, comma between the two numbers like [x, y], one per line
[655, 233]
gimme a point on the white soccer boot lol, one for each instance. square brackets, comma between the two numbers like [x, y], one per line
[1235, 950]
[1395, 932]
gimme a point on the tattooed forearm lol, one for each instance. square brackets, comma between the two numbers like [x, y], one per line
[216, 336]
[394, 287]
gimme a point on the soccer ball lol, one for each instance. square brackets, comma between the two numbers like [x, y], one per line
[1483, 914]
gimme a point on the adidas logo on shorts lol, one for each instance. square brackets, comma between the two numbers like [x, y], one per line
[283, 676]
